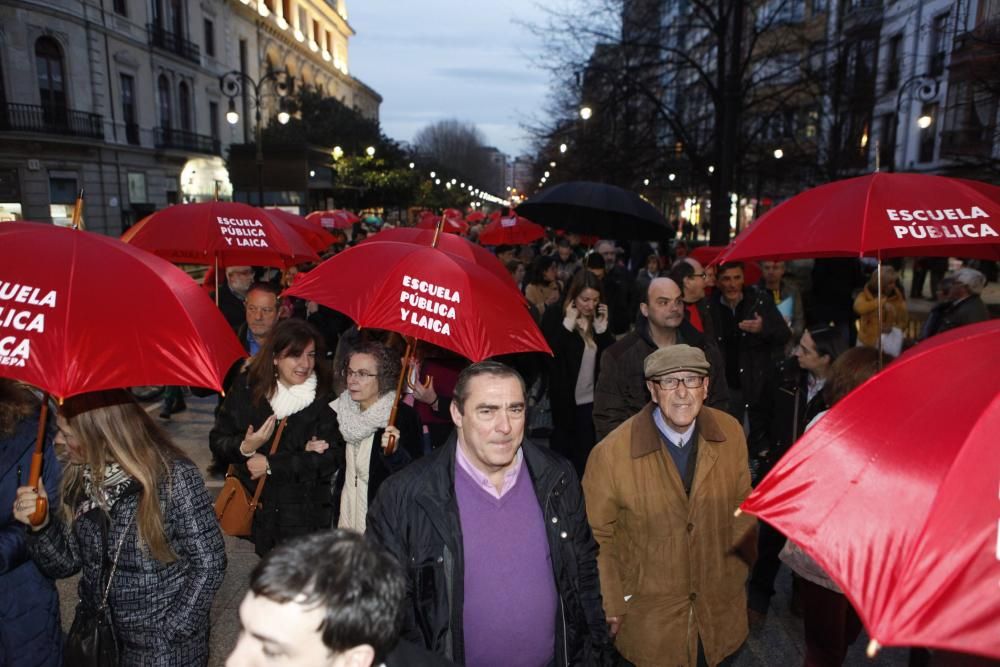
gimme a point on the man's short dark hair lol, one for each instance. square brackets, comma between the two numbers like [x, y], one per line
[595, 261]
[679, 271]
[359, 586]
[488, 367]
[730, 265]
[270, 288]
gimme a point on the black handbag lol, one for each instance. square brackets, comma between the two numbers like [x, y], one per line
[91, 641]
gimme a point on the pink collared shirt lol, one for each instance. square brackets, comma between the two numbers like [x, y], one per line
[481, 480]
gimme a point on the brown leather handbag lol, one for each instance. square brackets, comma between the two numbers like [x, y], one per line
[234, 508]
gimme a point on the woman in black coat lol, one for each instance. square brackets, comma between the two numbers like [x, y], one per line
[371, 371]
[578, 334]
[133, 510]
[287, 379]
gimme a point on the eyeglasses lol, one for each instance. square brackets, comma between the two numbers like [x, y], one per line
[361, 375]
[266, 310]
[669, 384]
[698, 275]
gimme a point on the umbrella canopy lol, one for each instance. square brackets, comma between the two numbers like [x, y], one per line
[514, 230]
[372, 220]
[453, 222]
[881, 214]
[83, 312]
[451, 244]
[229, 233]
[425, 293]
[894, 493]
[706, 255]
[474, 217]
[336, 219]
[586, 207]
[312, 231]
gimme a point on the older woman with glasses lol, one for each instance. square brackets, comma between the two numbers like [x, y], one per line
[371, 370]
[287, 382]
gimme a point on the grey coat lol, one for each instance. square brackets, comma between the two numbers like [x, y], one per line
[160, 610]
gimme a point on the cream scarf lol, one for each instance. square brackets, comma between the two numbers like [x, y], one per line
[357, 424]
[288, 400]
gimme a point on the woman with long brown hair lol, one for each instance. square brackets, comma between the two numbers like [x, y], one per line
[135, 519]
[29, 603]
[287, 380]
[578, 334]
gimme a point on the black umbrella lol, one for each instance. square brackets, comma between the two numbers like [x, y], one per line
[586, 207]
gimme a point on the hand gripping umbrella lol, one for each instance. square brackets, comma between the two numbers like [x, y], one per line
[83, 312]
[425, 293]
[894, 493]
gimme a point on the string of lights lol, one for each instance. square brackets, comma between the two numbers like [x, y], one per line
[477, 193]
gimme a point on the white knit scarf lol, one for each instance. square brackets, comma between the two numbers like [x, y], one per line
[357, 424]
[289, 400]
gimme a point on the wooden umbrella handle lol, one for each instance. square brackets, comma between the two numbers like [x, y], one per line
[403, 373]
[35, 475]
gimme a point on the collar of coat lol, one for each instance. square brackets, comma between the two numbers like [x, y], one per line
[646, 438]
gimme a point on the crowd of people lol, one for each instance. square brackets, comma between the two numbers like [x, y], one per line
[572, 509]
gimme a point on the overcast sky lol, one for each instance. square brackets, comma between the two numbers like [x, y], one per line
[438, 59]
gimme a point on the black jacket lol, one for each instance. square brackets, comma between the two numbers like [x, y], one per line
[415, 517]
[564, 365]
[621, 392]
[296, 498]
[787, 408]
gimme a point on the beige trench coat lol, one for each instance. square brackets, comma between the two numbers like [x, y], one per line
[673, 555]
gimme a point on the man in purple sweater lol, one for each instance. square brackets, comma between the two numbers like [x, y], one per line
[500, 559]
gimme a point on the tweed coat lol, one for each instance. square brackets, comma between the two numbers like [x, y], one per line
[674, 556]
[160, 610]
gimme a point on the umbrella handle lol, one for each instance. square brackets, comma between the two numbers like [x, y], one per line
[35, 474]
[411, 345]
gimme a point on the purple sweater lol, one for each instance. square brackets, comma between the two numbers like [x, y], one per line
[511, 602]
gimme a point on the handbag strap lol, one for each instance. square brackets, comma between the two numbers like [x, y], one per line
[114, 563]
[263, 478]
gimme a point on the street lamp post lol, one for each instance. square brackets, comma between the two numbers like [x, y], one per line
[924, 89]
[233, 84]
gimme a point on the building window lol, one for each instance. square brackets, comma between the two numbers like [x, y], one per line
[128, 109]
[939, 38]
[928, 134]
[184, 102]
[62, 199]
[893, 63]
[163, 90]
[209, 38]
[121, 7]
[51, 80]
[314, 35]
[887, 141]
[213, 119]
[286, 10]
[137, 188]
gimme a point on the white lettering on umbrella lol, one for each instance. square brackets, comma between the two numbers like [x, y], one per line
[937, 214]
[243, 232]
[22, 320]
[968, 230]
[427, 313]
[26, 294]
[14, 351]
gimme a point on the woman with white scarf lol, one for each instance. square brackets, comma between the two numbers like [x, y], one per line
[286, 380]
[371, 371]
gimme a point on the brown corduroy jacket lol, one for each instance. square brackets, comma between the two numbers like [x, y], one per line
[681, 561]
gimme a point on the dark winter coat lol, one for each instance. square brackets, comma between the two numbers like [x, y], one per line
[160, 610]
[409, 448]
[621, 392]
[296, 498]
[784, 402]
[564, 365]
[966, 311]
[415, 517]
[29, 604]
[757, 352]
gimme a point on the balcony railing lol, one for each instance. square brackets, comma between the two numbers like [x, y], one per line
[166, 137]
[162, 38]
[50, 120]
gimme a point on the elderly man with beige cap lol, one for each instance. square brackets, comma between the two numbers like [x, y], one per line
[661, 491]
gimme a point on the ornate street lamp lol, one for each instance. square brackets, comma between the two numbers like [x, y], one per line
[925, 89]
[234, 83]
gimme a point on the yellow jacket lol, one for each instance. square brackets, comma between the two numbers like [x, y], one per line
[866, 305]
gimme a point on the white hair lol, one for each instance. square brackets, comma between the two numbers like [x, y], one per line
[972, 279]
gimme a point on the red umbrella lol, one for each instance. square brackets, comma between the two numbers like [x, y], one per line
[449, 243]
[881, 214]
[894, 493]
[453, 222]
[514, 230]
[336, 219]
[474, 217]
[83, 312]
[312, 231]
[223, 233]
